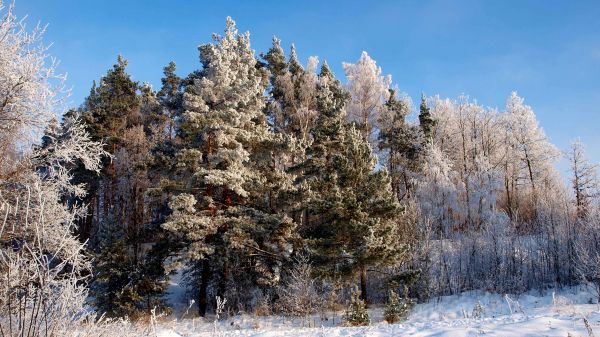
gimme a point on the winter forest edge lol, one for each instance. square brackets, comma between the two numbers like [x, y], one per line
[267, 186]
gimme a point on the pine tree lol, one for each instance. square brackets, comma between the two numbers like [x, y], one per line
[226, 143]
[356, 313]
[277, 66]
[171, 99]
[128, 118]
[426, 120]
[112, 290]
[401, 145]
[353, 210]
[396, 308]
[294, 66]
[112, 104]
[110, 108]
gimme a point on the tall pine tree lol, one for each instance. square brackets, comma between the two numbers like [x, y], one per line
[400, 142]
[220, 217]
[352, 208]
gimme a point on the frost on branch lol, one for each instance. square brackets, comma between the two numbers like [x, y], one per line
[29, 87]
[41, 261]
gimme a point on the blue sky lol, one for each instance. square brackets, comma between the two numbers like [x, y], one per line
[549, 51]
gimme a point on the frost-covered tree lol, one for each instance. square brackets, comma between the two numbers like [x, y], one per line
[30, 88]
[437, 193]
[533, 154]
[397, 308]
[584, 179]
[368, 90]
[226, 141]
[41, 262]
[298, 294]
[292, 108]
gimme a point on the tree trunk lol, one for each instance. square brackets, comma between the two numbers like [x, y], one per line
[363, 284]
[202, 293]
[222, 288]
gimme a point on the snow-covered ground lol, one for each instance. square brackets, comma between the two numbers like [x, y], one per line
[552, 313]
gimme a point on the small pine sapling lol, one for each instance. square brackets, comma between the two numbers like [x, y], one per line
[397, 308]
[356, 313]
[393, 308]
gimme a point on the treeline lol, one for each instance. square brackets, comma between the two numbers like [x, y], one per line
[256, 172]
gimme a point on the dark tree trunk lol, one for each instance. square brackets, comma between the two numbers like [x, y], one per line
[222, 288]
[363, 284]
[202, 293]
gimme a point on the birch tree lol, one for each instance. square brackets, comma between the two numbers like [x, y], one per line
[368, 90]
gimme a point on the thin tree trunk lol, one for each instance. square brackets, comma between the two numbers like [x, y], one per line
[222, 288]
[202, 293]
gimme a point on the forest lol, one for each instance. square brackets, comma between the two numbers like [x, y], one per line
[269, 186]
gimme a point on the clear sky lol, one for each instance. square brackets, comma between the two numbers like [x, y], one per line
[548, 51]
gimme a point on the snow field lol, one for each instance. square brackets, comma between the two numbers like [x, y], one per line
[550, 313]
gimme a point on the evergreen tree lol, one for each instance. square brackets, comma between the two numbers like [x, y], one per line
[51, 133]
[110, 108]
[131, 125]
[221, 217]
[112, 105]
[171, 98]
[396, 308]
[277, 66]
[352, 207]
[401, 145]
[294, 66]
[426, 120]
[356, 313]
[112, 290]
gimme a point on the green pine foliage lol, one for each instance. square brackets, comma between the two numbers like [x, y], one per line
[232, 170]
[112, 105]
[132, 122]
[354, 212]
[426, 120]
[402, 145]
[112, 288]
[356, 312]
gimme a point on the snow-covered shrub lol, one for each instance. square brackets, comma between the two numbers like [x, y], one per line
[298, 294]
[262, 306]
[587, 251]
[478, 310]
[356, 312]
